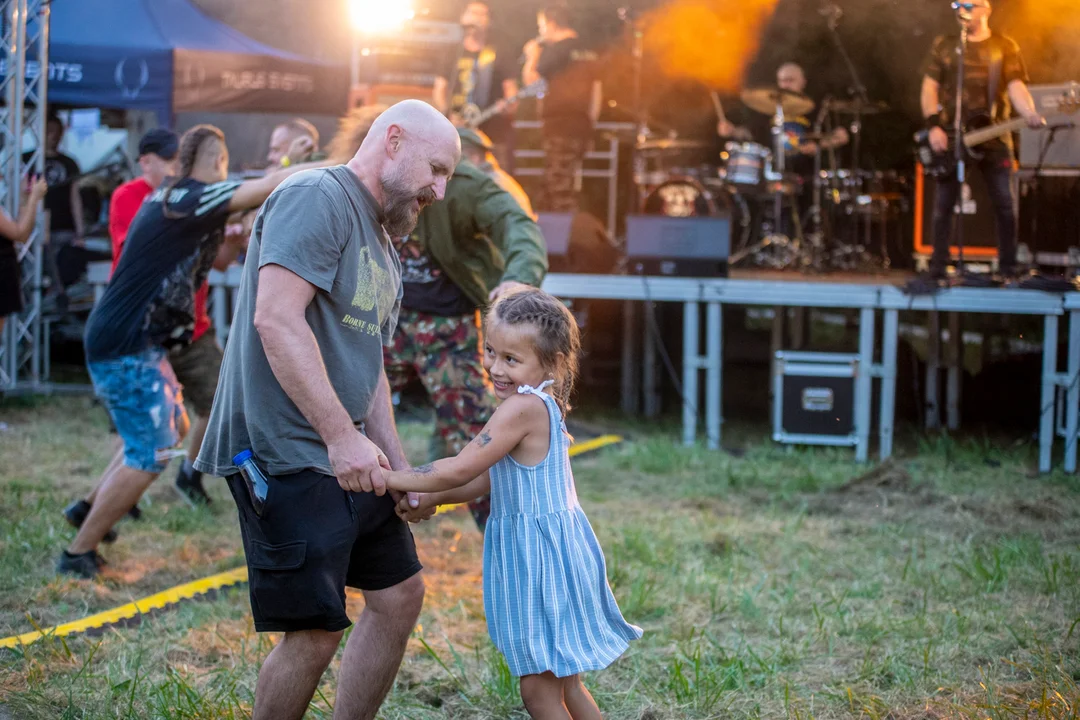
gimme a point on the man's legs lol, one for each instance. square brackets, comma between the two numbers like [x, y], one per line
[454, 376]
[944, 204]
[197, 367]
[145, 403]
[375, 648]
[291, 673]
[563, 157]
[997, 170]
[118, 493]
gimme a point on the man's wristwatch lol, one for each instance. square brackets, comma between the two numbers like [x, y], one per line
[933, 121]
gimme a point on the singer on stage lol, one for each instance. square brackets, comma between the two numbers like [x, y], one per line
[994, 84]
[570, 107]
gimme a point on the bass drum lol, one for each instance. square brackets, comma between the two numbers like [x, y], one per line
[679, 197]
[686, 197]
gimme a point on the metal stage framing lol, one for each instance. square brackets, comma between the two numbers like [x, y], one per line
[24, 28]
[876, 298]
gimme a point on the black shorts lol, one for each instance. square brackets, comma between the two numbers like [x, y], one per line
[11, 297]
[312, 541]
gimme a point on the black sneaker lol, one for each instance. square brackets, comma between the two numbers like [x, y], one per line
[85, 565]
[191, 488]
[76, 513]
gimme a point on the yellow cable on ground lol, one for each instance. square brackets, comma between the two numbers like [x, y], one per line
[189, 590]
[133, 609]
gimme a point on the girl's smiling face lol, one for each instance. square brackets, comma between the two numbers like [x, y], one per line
[510, 358]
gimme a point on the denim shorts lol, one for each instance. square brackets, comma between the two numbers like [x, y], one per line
[144, 400]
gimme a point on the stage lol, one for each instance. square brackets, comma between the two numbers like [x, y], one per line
[876, 297]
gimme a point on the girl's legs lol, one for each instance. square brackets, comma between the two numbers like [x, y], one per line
[543, 697]
[578, 700]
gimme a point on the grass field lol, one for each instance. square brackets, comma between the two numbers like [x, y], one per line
[777, 584]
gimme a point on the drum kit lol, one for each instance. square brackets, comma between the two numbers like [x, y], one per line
[778, 221]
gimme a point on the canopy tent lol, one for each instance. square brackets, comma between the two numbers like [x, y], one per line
[168, 56]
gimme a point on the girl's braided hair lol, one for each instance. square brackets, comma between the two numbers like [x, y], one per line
[556, 334]
[190, 145]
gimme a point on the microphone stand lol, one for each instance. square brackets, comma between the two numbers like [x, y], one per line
[958, 143]
[857, 87]
[639, 111]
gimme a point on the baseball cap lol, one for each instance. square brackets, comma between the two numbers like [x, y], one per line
[476, 138]
[161, 142]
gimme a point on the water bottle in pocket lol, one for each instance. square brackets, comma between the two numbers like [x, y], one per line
[254, 479]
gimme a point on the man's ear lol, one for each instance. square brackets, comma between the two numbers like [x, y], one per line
[394, 136]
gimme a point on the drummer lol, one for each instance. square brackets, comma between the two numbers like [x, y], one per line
[798, 147]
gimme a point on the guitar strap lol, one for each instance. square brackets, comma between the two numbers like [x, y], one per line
[485, 74]
[997, 61]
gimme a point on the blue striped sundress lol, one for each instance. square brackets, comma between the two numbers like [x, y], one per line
[546, 594]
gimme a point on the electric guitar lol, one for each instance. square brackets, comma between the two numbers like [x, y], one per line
[473, 117]
[978, 130]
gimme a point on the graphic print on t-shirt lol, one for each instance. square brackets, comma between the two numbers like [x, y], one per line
[374, 289]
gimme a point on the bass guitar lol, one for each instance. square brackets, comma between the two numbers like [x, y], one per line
[978, 130]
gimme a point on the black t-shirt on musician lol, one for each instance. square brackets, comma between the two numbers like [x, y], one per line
[150, 300]
[980, 56]
[477, 79]
[425, 286]
[569, 68]
[60, 172]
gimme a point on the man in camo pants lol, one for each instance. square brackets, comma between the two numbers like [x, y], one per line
[466, 250]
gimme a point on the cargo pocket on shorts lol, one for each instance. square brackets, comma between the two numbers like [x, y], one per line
[276, 577]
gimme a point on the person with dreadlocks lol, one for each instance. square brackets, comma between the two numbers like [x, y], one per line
[148, 310]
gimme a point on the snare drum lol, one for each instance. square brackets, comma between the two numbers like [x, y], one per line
[745, 163]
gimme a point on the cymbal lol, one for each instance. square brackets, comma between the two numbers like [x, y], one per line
[765, 99]
[670, 145]
[856, 106]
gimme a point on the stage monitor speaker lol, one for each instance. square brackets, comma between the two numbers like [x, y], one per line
[980, 239]
[678, 246]
[577, 243]
[416, 55]
[1064, 151]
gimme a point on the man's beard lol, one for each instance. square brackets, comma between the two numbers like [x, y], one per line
[401, 216]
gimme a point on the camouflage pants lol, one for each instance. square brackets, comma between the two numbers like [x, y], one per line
[446, 355]
[562, 161]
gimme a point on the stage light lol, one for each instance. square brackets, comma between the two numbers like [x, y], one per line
[379, 16]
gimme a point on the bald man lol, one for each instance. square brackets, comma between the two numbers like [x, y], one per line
[303, 388]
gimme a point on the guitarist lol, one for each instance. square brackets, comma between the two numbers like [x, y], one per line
[994, 84]
[480, 78]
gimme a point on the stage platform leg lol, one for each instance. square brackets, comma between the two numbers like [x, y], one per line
[691, 360]
[713, 374]
[1046, 408]
[1072, 395]
[864, 384]
[890, 336]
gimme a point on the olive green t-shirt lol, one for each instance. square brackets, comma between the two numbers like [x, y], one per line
[326, 227]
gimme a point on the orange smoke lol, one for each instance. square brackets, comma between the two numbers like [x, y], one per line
[1047, 32]
[707, 40]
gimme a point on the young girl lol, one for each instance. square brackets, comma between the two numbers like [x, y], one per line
[549, 608]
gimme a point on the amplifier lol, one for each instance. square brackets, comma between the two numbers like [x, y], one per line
[678, 246]
[814, 398]
[1064, 151]
[577, 243]
[416, 55]
[980, 240]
